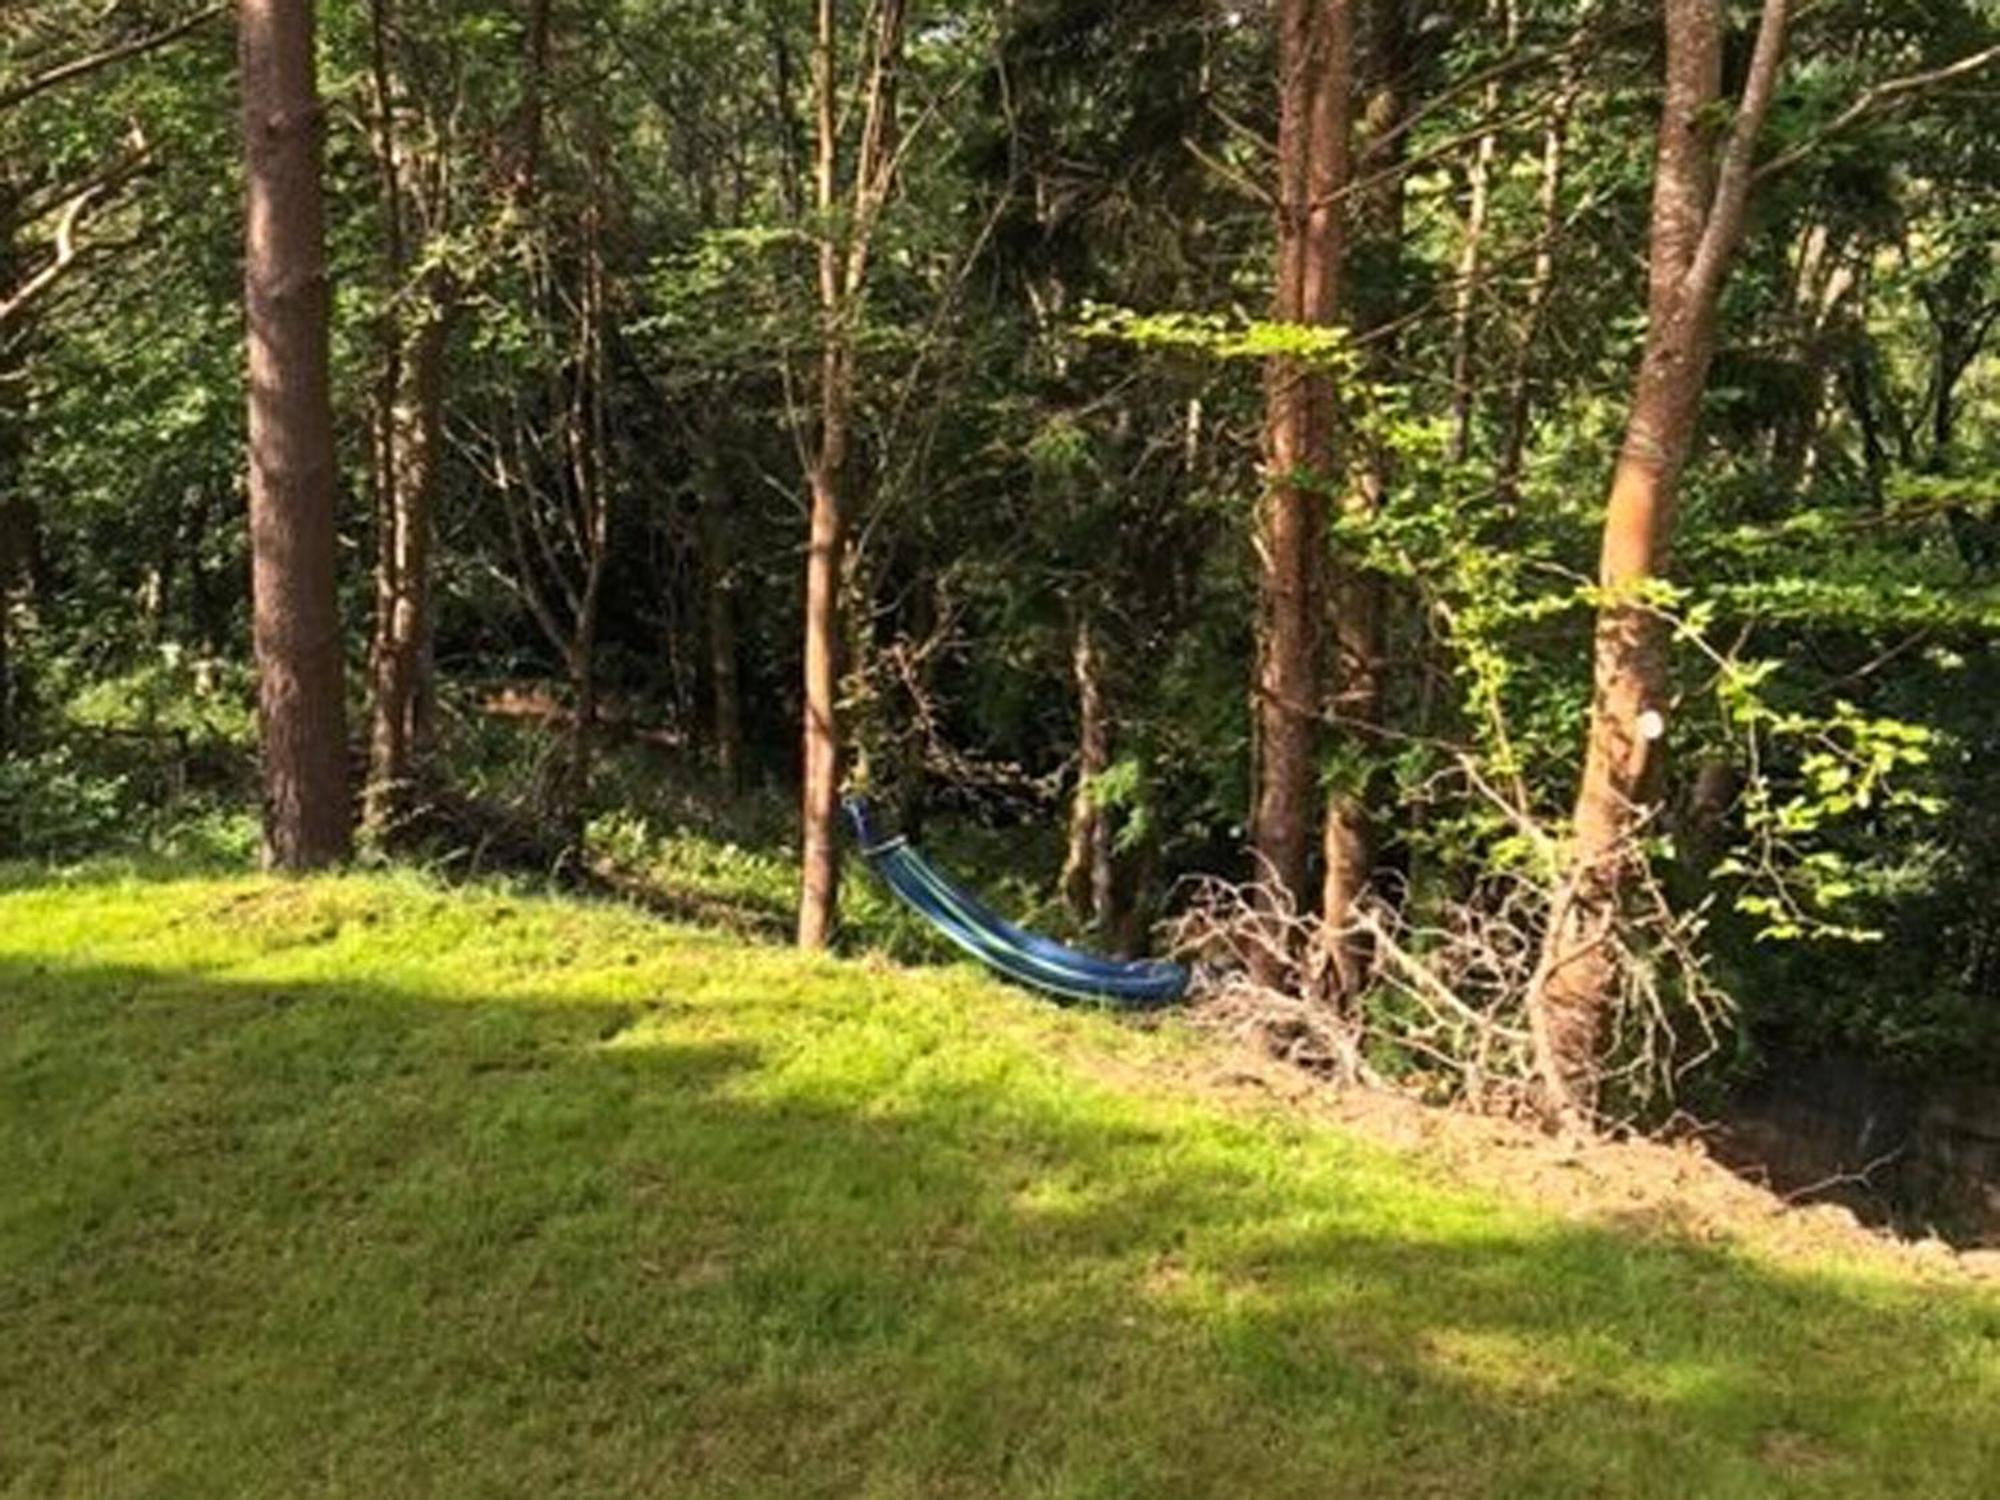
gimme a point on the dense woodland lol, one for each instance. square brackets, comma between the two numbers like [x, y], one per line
[1481, 517]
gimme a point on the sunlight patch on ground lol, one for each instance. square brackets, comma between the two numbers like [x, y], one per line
[555, 1196]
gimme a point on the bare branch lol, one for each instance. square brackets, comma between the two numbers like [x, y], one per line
[82, 66]
[1735, 178]
[1874, 98]
[67, 251]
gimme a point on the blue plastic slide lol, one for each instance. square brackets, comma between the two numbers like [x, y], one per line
[1022, 956]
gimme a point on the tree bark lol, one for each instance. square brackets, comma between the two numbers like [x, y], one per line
[1087, 870]
[16, 526]
[1826, 277]
[1357, 595]
[718, 563]
[1541, 283]
[13, 452]
[842, 265]
[409, 443]
[819, 850]
[1697, 220]
[1465, 297]
[401, 649]
[1315, 70]
[587, 444]
[308, 816]
[524, 186]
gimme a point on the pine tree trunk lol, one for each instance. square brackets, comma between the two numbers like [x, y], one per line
[1357, 596]
[1315, 48]
[308, 815]
[1348, 831]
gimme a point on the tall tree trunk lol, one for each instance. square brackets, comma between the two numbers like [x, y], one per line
[588, 453]
[400, 652]
[842, 264]
[524, 186]
[1541, 283]
[826, 543]
[820, 853]
[1465, 296]
[718, 566]
[409, 447]
[13, 452]
[1087, 872]
[1826, 277]
[1315, 70]
[308, 817]
[1357, 595]
[1697, 220]
[15, 523]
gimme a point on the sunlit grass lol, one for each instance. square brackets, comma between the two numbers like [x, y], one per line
[371, 1187]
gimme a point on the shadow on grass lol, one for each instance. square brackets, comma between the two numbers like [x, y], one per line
[327, 1238]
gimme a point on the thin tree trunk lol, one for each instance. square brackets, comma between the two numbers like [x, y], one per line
[401, 650]
[308, 817]
[409, 447]
[1315, 62]
[825, 547]
[719, 600]
[1826, 278]
[13, 452]
[15, 525]
[1465, 298]
[1541, 283]
[1357, 595]
[588, 440]
[525, 186]
[6, 677]
[1126, 930]
[1698, 211]
[826, 542]
[1086, 874]
[21, 572]
[842, 276]
[1858, 382]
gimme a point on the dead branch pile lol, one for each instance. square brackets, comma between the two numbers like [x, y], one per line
[1445, 1010]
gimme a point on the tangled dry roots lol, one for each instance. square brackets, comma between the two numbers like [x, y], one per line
[1445, 1010]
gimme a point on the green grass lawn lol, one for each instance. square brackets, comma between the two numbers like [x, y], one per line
[367, 1187]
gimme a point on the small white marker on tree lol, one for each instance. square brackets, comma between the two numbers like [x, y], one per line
[1652, 724]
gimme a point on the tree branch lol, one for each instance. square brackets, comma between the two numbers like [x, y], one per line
[67, 251]
[1872, 99]
[81, 66]
[1735, 177]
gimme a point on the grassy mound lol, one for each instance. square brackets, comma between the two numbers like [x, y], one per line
[366, 1187]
